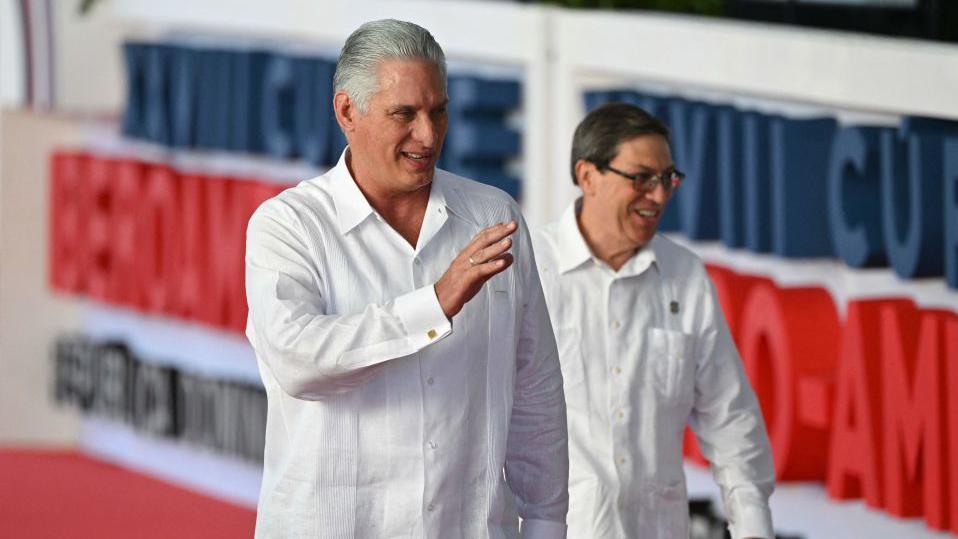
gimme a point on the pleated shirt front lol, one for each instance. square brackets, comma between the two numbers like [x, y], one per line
[386, 419]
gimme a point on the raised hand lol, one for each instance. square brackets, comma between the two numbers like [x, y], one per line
[486, 255]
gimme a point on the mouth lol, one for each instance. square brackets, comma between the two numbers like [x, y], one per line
[419, 160]
[648, 215]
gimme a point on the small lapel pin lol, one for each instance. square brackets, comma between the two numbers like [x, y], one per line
[674, 307]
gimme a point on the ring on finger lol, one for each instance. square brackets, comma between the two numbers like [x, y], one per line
[471, 261]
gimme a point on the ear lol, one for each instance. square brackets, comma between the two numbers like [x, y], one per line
[586, 173]
[345, 111]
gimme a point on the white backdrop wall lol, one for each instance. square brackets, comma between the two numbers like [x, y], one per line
[561, 51]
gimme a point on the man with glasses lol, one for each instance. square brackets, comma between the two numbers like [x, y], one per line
[643, 346]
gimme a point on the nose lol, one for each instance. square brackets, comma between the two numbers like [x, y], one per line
[425, 130]
[659, 194]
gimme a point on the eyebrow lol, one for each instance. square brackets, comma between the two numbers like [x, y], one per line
[404, 108]
[646, 168]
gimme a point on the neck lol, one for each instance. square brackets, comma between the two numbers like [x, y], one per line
[605, 246]
[404, 211]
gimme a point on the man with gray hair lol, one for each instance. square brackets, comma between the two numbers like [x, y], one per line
[410, 368]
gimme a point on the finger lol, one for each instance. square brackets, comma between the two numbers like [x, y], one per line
[492, 234]
[494, 266]
[492, 251]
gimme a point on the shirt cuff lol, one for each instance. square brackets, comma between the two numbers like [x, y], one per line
[543, 529]
[752, 521]
[422, 316]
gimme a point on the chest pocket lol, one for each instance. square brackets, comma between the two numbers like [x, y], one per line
[672, 363]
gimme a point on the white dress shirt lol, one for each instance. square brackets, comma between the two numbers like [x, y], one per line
[644, 351]
[385, 419]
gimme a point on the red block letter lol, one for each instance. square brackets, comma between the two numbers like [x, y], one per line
[951, 359]
[159, 233]
[127, 194]
[195, 249]
[67, 222]
[787, 336]
[98, 192]
[854, 452]
[914, 432]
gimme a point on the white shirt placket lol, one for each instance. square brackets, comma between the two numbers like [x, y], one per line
[617, 350]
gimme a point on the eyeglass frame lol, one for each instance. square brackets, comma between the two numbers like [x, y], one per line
[675, 179]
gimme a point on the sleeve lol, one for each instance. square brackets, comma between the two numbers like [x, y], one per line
[728, 422]
[537, 453]
[312, 353]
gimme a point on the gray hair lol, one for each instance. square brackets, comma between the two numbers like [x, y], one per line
[598, 136]
[375, 41]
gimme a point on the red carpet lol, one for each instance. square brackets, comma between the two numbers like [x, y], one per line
[57, 494]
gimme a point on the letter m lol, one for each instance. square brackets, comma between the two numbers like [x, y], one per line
[912, 353]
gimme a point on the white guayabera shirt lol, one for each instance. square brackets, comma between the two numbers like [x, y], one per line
[384, 419]
[644, 351]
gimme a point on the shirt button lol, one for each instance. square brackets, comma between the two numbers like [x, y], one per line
[429, 380]
[616, 324]
[616, 370]
[432, 445]
[430, 507]
[621, 460]
[620, 414]
[417, 262]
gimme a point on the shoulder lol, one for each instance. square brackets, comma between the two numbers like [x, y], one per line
[294, 206]
[545, 244]
[486, 204]
[677, 260]
[310, 193]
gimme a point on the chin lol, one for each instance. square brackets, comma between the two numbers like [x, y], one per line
[426, 175]
[641, 240]
[420, 180]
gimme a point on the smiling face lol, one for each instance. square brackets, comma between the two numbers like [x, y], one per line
[619, 215]
[395, 143]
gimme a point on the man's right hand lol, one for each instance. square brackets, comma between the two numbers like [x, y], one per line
[485, 256]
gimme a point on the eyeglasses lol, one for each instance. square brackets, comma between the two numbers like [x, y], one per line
[646, 181]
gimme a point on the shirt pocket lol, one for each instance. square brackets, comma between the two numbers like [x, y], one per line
[672, 364]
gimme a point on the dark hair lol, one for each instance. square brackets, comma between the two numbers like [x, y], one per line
[598, 136]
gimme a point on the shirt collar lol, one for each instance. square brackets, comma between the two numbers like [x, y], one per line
[641, 261]
[351, 205]
[352, 208]
[437, 210]
[444, 184]
[574, 251]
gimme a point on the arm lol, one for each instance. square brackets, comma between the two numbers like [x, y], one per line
[537, 458]
[728, 423]
[311, 353]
